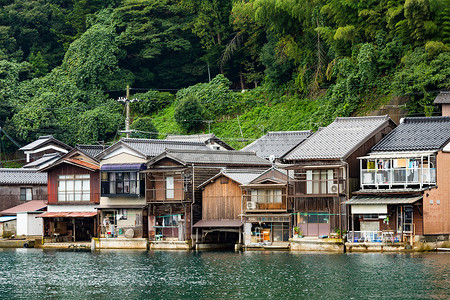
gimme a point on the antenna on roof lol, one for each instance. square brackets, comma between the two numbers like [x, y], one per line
[272, 159]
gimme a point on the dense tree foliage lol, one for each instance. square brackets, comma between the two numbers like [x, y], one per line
[64, 62]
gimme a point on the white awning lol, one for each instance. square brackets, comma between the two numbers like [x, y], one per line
[369, 209]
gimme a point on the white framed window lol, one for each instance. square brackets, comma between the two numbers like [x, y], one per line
[74, 187]
[26, 194]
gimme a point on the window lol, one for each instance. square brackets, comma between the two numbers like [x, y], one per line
[121, 183]
[74, 187]
[320, 182]
[266, 196]
[170, 191]
[26, 194]
[313, 217]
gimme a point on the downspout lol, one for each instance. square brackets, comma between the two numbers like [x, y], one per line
[347, 193]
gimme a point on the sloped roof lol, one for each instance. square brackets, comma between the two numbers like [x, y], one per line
[202, 138]
[22, 176]
[41, 141]
[91, 150]
[376, 200]
[417, 134]
[442, 98]
[339, 139]
[277, 143]
[43, 162]
[153, 147]
[241, 176]
[33, 205]
[213, 157]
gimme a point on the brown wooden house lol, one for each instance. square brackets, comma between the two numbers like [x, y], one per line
[73, 194]
[326, 171]
[253, 199]
[174, 201]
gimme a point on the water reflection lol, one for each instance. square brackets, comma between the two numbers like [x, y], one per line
[33, 273]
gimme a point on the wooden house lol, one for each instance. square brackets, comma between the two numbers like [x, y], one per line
[250, 198]
[18, 186]
[73, 194]
[443, 100]
[123, 205]
[44, 145]
[326, 171]
[174, 201]
[405, 192]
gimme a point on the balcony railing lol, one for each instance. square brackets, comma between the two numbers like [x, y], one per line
[264, 203]
[398, 177]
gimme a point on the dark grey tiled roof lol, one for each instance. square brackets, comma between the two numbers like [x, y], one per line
[203, 138]
[443, 98]
[415, 134]
[339, 139]
[44, 140]
[153, 147]
[277, 143]
[22, 176]
[221, 158]
[91, 150]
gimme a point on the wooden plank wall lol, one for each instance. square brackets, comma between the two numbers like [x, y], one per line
[222, 201]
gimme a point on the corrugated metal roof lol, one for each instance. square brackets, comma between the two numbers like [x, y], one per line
[242, 176]
[217, 223]
[417, 134]
[339, 139]
[22, 176]
[32, 205]
[212, 157]
[44, 140]
[277, 143]
[442, 98]
[374, 200]
[69, 214]
[43, 162]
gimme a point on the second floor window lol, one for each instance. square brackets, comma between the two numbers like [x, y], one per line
[120, 183]
[266, 196]
[320, 182]
[170, 188]
[74, 187]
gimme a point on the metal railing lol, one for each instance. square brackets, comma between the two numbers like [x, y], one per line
[388, 236]
[398, 176]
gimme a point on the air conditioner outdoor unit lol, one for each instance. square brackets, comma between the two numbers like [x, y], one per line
[333, 189]
[251, 205]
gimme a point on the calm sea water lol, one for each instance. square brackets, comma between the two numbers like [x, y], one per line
[35, 273]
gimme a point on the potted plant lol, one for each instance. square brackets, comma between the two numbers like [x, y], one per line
[296, 229]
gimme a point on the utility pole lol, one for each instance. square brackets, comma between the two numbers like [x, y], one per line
[127, 101]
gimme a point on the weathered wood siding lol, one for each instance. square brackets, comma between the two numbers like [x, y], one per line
[10, 194]
[68, 169]
[221, 200]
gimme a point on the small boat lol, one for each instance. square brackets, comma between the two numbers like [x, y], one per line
[443, 249]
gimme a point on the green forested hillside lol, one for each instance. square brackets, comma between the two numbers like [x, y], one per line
[236, 67]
